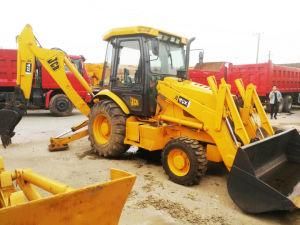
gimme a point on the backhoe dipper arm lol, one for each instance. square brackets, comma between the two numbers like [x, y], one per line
[54, 61]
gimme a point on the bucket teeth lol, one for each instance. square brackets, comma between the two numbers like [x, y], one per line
[8, 121]
[6, 140]
[295, 195]
[296, 201]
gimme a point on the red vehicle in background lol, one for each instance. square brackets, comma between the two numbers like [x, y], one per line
[45, 93]
[263, 75]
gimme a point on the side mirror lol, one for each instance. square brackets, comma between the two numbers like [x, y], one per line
[197, 57]
[155, 46]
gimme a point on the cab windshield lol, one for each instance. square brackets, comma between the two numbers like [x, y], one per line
[168, 60]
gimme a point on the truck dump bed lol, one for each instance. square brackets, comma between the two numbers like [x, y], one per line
[263, 75]
[8, 67]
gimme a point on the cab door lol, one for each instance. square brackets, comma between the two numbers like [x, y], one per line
[128, 73]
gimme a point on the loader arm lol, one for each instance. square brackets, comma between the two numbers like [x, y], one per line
[213, 117]
[252, 105]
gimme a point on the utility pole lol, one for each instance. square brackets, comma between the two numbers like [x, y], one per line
[257, 49]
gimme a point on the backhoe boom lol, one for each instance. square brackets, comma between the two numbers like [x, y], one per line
[54, 61]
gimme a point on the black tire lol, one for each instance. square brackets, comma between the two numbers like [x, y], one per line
[112, 145]
[280, 106]
[60, 105]
[196, 154]
[287, 103]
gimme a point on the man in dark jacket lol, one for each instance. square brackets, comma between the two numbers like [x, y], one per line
[275, 98]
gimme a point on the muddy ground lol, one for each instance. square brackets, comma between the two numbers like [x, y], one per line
[154, 200]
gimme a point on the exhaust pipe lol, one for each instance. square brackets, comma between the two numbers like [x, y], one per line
[187, 57]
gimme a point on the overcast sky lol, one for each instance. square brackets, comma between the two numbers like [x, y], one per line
[226, 30]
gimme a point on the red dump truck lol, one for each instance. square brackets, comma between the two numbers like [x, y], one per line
[45, 93]
[263, 75]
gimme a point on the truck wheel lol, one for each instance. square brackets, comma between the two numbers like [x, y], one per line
[60, 105]
[280, 107]
[287, 103]
[107, 129]
[184, 160]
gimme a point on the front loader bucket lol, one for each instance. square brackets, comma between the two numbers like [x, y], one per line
[96, 204]
[8, 121]
[265, 174]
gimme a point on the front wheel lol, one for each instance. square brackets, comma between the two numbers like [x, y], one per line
[184, 160]
[60, 105]
[107, 129]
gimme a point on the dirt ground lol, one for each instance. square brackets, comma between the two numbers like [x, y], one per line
[154, 200]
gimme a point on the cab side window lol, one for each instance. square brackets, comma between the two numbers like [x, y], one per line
[107, 65]
[129, 70]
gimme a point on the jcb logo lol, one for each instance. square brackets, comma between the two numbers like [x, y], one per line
[183, 101]
[53, 63]
[28, 68]
[134, 101]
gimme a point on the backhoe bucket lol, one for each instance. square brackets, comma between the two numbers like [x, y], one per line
[96, 204]
[8, 121]
[265, 174]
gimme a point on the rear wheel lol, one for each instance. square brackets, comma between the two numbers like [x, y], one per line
[184, 160]
[287, 103]
[60, 105]
[107, 129]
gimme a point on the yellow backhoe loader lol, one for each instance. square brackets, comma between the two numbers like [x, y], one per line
[94, 71]
[146, 100]
[21, 203]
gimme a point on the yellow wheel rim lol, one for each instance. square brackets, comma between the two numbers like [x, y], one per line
[178, 162]
[101, 129]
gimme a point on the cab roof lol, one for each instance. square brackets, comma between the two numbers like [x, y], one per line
[136, 30]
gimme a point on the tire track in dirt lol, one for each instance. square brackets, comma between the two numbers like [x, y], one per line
[179, 211]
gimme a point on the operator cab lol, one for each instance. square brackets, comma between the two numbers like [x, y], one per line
[136, 58]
